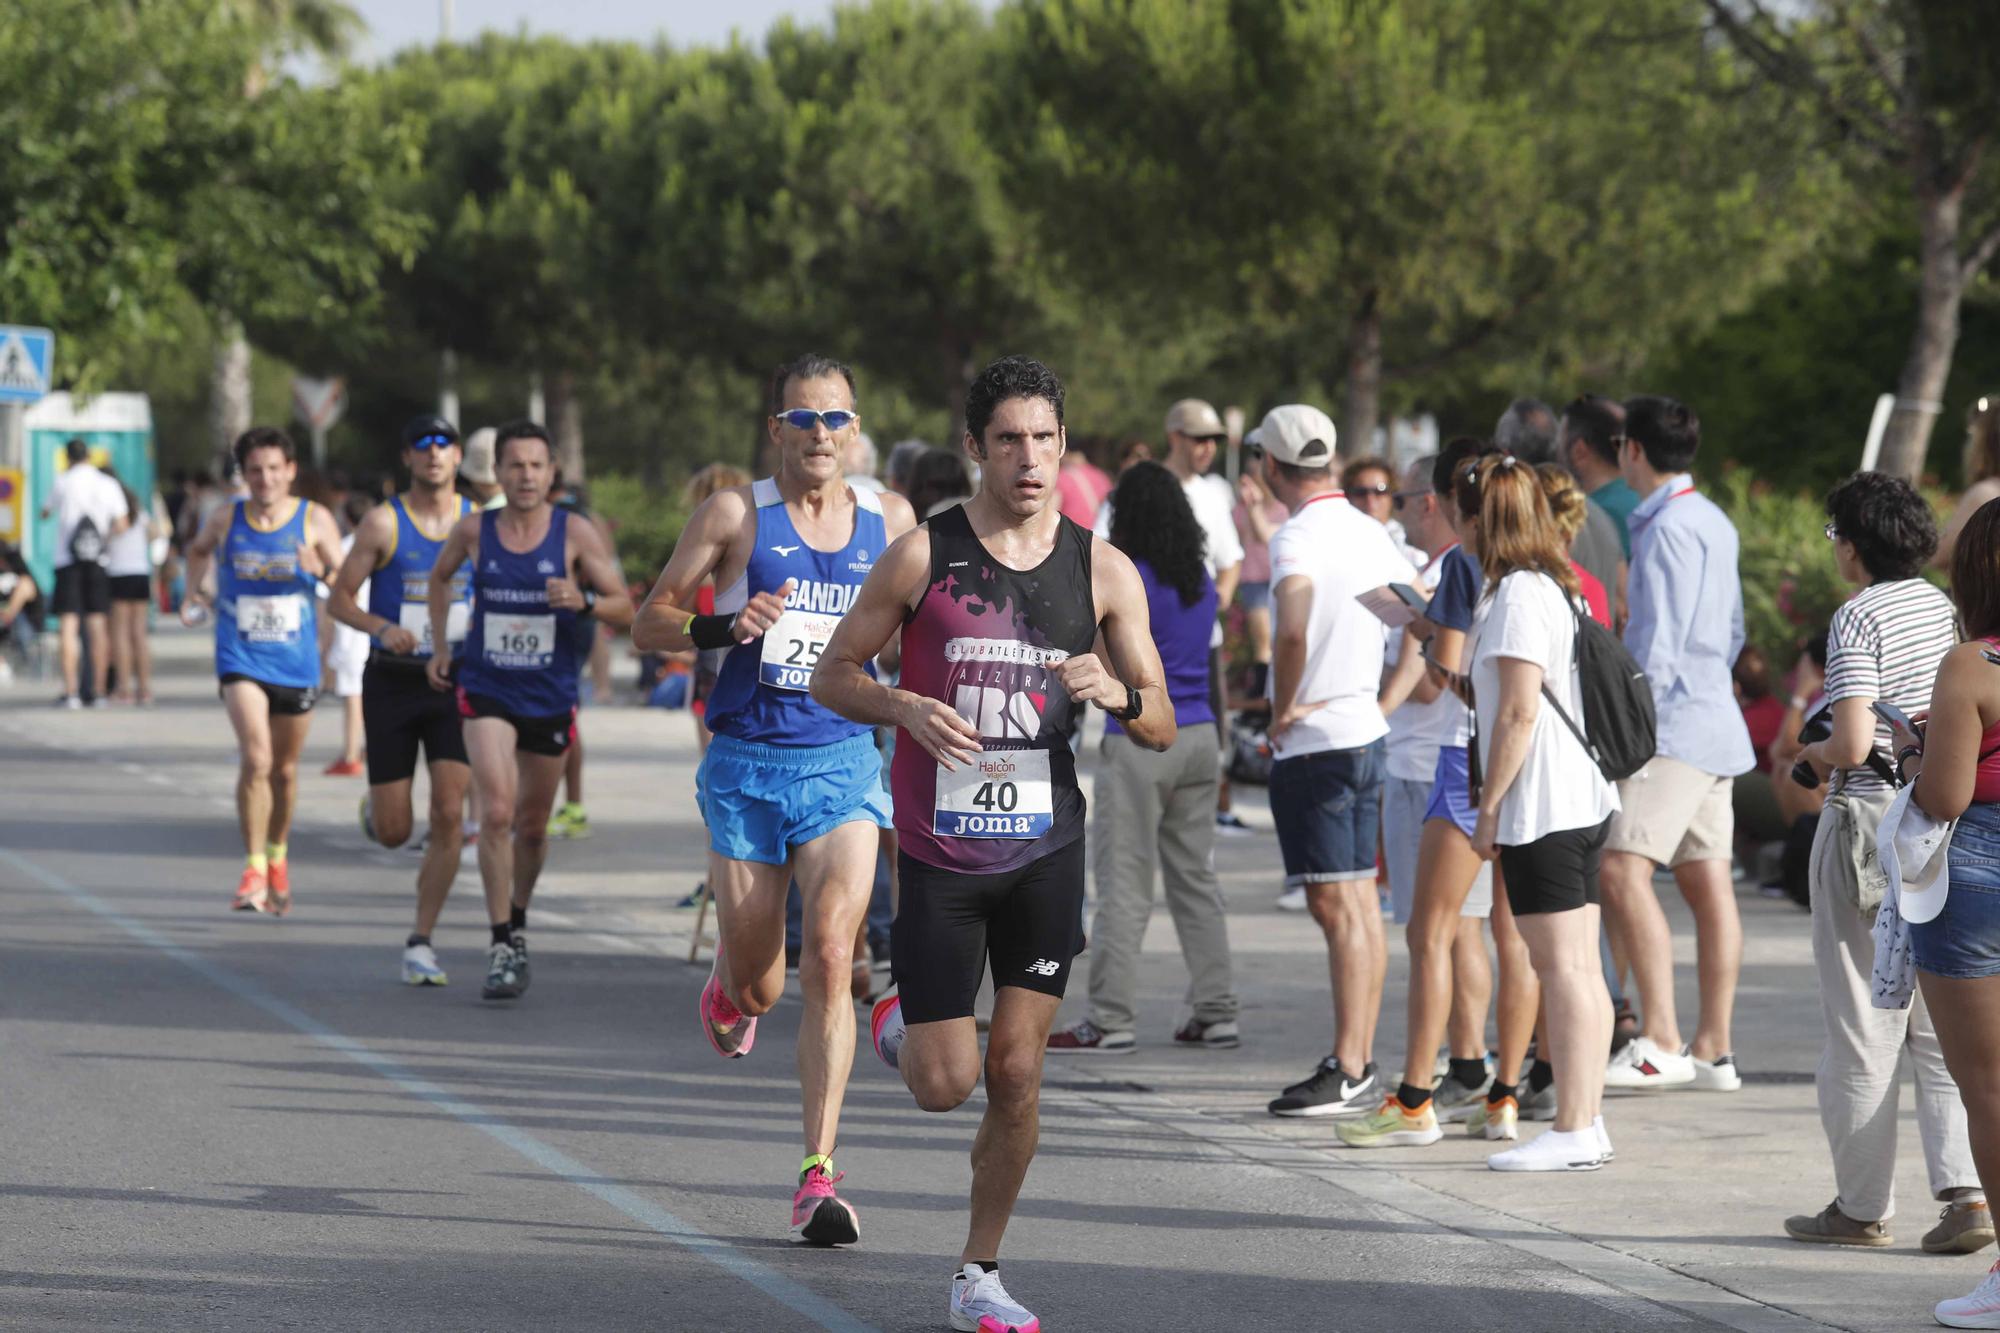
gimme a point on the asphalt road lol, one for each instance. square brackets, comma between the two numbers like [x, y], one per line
[220, 1121]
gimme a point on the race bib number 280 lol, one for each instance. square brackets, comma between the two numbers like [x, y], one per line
[270, 619]
[1001, 794]
[792, 648]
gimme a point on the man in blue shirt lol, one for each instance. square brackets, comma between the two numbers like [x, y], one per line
[1685, 629]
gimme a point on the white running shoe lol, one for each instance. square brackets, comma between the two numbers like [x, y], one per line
[1979, 1310]
[1292, 900]
[1642, 1064]
[420, 966]
[1604, 1140]
[1717, 1075]
[1557, 1150]
[979, 1304]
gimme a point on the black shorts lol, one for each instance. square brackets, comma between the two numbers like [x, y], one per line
[82, 589]
[1557, 873]
[399, 712]
[550, 736]
[948, 924]
[131, 587]
[286, 700]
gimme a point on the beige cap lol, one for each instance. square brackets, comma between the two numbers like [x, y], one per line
[477, 464]
[1191, 416]
[1296, 433]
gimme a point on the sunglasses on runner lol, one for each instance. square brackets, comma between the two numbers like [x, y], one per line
[805, 418]
[426, 443]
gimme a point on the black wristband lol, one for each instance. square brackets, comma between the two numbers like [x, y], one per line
[712, 631]
[589, 596]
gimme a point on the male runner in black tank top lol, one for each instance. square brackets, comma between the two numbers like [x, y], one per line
[1001, 604]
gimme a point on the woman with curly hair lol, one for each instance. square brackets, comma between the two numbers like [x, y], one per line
[1155, 813]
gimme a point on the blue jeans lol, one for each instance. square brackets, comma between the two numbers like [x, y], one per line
[1963, 940]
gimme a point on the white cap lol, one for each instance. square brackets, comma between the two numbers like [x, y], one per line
[1296, 433]
[476, 465]
[1914, 849]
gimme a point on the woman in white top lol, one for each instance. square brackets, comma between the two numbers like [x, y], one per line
[128, 563]
[1544, 808]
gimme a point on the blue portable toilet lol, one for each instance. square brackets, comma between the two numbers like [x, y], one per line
[118, 427]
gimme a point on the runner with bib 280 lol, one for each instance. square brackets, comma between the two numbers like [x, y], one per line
[274, 549]
[393, 551]
[533, 573]
[1002, 604]
[787, 788]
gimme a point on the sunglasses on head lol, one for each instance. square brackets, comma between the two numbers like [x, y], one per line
[426, 443]
[805, 418]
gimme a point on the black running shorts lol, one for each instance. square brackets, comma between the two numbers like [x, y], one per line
[1556, 873]
[550, 737]
[400, 712]
[1028, 921]
[82, 589]
[286, 700]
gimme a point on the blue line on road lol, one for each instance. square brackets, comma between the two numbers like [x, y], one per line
[643, 1211]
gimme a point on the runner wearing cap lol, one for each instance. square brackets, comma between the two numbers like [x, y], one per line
[788, 789]
[394, 549]
[275, 549]
[1001, 602]
[533, 573]
[1327, 734]
[475, 470]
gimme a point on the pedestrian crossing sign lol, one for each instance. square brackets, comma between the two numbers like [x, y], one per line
[27, 355]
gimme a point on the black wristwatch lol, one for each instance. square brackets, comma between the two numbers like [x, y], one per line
[1135, 703]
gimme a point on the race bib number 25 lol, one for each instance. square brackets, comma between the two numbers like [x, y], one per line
[1001, 794]
[792, 648]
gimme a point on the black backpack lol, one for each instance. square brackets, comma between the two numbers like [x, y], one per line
[86, 543]
[1620, 731]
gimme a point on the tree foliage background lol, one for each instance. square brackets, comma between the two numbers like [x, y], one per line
[1380, 205]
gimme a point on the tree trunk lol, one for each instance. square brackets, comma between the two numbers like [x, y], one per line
[956, 373]
[229, 404]
[566, 425]
[1363, 399]
[1920, 388]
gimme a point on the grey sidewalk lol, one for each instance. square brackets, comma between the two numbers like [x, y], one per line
[1689, 1216]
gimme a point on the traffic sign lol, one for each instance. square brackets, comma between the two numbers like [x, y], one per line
[27, 355]
[319, 403]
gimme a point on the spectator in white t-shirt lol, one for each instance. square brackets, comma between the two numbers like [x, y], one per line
[1544, 807]
[1327, 734]
[89, 509]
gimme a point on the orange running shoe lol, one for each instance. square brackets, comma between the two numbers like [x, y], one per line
[281, 888]
[252, 891]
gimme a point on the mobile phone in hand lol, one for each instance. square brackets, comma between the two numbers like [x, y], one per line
[1897, 719]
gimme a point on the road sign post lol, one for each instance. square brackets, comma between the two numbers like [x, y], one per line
[319, 403]
[27, 356]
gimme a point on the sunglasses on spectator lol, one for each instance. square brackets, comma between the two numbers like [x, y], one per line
[805, 418]
[1402, 498]
[426, 443]
[1377, 489]
[1217, 440]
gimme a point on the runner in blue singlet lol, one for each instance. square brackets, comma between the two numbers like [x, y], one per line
[788, 788]
[394, 549]
[274, 548]
[533, 573]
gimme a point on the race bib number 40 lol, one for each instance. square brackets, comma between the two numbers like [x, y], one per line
[520, 643]
[270, 619]
[416, 618]
[1002, 794]
[792, 648]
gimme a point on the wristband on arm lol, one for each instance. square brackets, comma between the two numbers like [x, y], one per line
[711, 631]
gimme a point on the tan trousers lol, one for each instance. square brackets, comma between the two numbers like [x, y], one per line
[1153, 815]
[1859, 1073]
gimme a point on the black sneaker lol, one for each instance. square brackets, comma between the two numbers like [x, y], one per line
[1329, 1090]
[505, 978]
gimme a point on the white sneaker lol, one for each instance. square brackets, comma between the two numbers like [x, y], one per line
[1604, 1140]
[420, 966]
[1292, 900]
[1979, 1310]
[979, 1304]
[1642, 1064]
[1717, 1075]
[1557, 1150]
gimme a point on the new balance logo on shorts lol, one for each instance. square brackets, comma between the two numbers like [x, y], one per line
[1045, 967]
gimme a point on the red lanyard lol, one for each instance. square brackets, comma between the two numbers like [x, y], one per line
[1323, 495]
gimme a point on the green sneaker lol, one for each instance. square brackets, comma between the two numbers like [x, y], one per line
[569, 821]
[1392, 1125]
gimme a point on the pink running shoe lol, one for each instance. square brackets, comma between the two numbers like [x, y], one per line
[819, 1216]
[885, 1028]
[728, 1031]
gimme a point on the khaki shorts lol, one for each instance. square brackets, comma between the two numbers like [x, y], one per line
[1673, 813]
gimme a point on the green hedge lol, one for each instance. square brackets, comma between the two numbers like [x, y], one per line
[645, 521]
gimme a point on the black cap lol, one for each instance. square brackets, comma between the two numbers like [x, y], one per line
[428, 424]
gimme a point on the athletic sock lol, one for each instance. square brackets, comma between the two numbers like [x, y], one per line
[824, 1161]
[1540, 1075]
[415, 940]
[1499, 1092]
[276, 851]
[517, 918]
[989, 1265]
[1469, 1073]
[258, 862]
[1412, 1097]
[503, 933]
